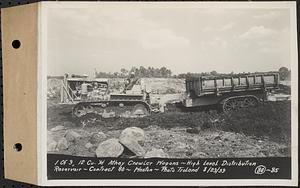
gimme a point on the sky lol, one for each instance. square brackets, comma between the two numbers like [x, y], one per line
[80, 40]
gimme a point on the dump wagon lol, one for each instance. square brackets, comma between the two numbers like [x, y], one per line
[229, 92]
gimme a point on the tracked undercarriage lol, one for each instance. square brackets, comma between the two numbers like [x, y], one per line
[237, 102]
[112, 108]
[90, 112]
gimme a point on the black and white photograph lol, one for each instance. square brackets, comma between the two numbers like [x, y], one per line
[170, 81]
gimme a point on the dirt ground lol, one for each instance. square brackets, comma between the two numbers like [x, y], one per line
[186, 134]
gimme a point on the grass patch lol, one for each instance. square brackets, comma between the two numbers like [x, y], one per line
[271, 119]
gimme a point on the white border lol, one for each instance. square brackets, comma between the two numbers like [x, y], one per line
[42, 93]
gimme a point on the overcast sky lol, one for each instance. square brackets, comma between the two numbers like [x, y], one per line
[182, 39]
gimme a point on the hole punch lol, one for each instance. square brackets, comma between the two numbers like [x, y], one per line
[16, 44]
[18, 147]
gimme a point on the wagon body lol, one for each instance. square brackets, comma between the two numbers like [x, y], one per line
[210, 90]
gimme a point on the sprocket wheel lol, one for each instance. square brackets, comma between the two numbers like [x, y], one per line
[140, 110]
[230, 105]
[81, 110]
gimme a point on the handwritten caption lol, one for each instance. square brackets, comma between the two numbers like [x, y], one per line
[162, 166]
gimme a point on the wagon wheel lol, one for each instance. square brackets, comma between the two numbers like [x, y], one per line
[81, 110]
[250, 102]
[140, 110]
[231, 105]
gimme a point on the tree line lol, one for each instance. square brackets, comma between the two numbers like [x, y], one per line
[164, 72]
[149, 72]
[141, 71]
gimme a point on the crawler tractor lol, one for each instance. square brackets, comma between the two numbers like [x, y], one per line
[93, 98]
